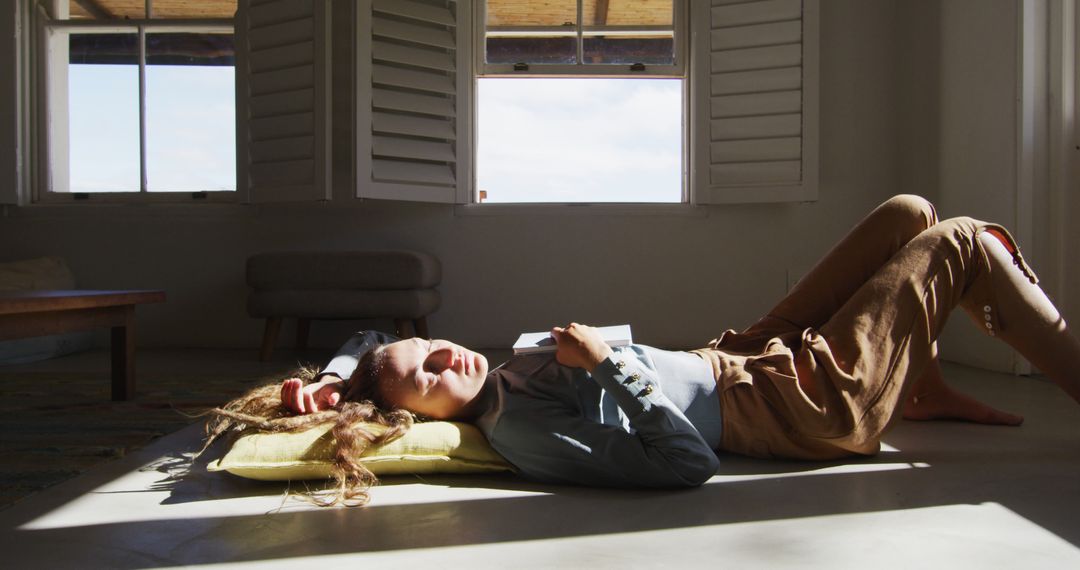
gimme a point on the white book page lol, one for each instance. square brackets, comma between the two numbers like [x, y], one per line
[527, 343]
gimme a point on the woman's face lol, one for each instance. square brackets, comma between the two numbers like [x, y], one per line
[434, 378]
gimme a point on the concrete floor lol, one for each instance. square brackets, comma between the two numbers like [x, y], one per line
[944, 495]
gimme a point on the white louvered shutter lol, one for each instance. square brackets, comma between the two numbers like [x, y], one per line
[413, 90]
[756, 112]
[283, 100]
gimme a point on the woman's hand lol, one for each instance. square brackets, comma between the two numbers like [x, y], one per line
[315, 397]
[580, 346]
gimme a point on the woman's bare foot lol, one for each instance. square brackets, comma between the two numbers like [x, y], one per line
[948, 404]
[934, 400]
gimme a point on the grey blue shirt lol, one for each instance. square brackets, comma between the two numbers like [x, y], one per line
[644, 418]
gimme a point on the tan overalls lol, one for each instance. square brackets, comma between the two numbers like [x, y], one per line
[825, 373]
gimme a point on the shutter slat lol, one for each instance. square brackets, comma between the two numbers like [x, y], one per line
[416, 11]
[413, 192]
[756, 81]
[755, 150]
[421, 80]
[423, 35]
[291, 55]
[264, 128]
[276, 150]
[293, 173]
[756, 127]
[281, 103]
[755, 13]
[281, 34]
[415, 172]
[757, 172]
[412, 102]
[758, 35]
[756, 58]
[774, 103]
[278, 12]
[279, 80]
[411, 148]
[412, 126]
[397, 53]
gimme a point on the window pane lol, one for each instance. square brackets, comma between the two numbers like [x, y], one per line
[532, 49]
[579, 140]
[519, 13]
[104, 9]
[626, 13]
[103, 114]
[629, 32]
[190, 113]
[629, 50]
[136, 9]
[519, 31]
[195, 9]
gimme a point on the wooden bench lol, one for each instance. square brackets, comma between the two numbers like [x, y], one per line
[38, 313]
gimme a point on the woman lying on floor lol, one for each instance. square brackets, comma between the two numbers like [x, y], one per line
[821, 376]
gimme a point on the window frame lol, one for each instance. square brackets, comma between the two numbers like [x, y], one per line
[46, 98]
[680, 29]
[680, 70]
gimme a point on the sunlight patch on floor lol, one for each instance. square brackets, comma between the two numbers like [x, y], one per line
[961, 536]
[847, 468]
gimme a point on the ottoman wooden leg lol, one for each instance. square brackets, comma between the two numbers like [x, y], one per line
[273, 326]
[303, 328]
[421, 327]
[403, 328]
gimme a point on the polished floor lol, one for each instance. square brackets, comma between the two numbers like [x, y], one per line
[943, 495]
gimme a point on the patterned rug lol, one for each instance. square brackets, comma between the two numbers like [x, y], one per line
[55, 425]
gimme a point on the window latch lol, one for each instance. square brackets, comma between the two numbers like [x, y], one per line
[521, 66]
[637, 67]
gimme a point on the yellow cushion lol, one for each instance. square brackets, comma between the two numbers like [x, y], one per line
[430, 447]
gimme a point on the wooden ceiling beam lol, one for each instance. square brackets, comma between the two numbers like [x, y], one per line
[601, 12]
[95, 9]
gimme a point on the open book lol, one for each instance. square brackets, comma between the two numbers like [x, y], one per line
[530, 343]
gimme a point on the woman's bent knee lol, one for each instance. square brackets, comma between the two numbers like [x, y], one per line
[906, 215]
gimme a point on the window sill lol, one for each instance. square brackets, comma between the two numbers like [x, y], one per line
[117, 209]
[580, 209]
[65, 198]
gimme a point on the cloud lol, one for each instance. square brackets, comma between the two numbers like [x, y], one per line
[580, 139]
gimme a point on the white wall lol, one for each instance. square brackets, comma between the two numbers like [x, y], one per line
[993, 145]
[9, 109]
[679, 280]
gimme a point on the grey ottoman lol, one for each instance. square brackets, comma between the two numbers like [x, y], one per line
[307, 285]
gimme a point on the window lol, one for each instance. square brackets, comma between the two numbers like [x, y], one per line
[438, 82]
[580, 101]
[138, 96]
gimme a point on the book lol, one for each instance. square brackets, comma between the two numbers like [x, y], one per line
[532, 343]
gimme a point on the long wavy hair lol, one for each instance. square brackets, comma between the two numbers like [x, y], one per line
[362, 404]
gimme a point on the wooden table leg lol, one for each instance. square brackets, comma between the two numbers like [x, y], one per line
[123, 355]
[303, 329]
[403, 328]
[421, 327]
[270, 333]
